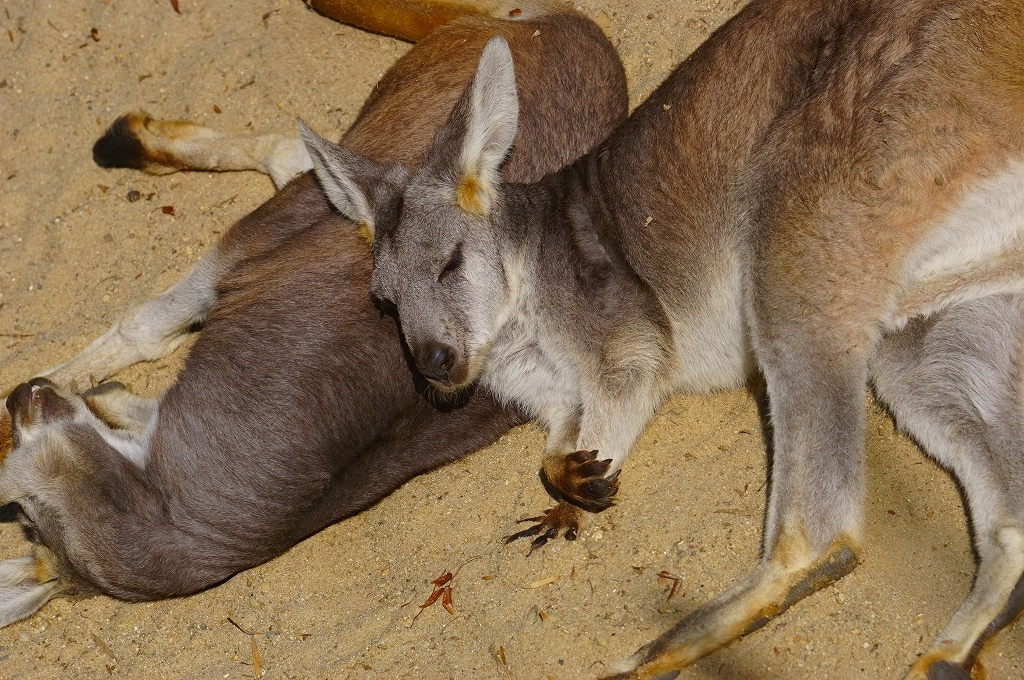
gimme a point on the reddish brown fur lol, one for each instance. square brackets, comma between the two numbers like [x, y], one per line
[403, 19]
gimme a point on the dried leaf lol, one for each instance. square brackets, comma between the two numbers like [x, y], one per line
[442, 579]
[174, 4]
[103, 646]
[446, 601]
[433, 598]
[167, 210]
[257, 671]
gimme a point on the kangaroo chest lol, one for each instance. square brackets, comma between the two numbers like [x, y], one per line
[527, 367]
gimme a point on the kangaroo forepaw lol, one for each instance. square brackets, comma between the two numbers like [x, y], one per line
[579, 478]
[562, 519]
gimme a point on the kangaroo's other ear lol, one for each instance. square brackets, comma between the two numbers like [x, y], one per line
[488, 113]
[6, 434]
[26, 584]
[347, 178]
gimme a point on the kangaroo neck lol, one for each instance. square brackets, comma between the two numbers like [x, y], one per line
[559, 231]
[675, 164]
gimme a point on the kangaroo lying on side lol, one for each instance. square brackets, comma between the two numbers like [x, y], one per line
[814, 177]
[289, 414]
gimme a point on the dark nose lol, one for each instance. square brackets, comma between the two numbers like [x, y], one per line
[437, 360]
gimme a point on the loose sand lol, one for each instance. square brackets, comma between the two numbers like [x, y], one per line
[74, 253]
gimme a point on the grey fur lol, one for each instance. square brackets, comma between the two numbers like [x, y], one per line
[290, 412]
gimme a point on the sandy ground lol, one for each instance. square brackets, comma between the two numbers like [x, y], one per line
[74, 252]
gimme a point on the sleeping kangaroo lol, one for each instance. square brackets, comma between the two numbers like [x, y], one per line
[824, 192]
[290, 412]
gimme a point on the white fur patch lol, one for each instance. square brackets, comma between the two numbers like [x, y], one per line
[977, 250]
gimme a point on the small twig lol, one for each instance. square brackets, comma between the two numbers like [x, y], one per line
[256, 669]
[237, 625]
[675, 582]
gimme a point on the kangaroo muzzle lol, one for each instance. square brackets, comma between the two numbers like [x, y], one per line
[438, 364]
[36, 402]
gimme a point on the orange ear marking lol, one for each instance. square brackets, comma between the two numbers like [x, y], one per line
[44, 564]
[470, 195]
[366, 233]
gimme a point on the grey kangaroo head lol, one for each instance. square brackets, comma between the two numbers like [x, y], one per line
[437, 254]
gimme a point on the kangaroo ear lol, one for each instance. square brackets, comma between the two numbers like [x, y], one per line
[493, 114]
[26, 584]
[346, 177]
[6, 434]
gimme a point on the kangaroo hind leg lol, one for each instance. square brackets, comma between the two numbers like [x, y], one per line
[139, 141]
[147, 331]
[815, 375]
[953, 382]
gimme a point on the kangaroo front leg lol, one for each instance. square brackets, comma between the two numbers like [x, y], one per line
[612, 421]
[587, 478]
[148, 331]
[814, 511]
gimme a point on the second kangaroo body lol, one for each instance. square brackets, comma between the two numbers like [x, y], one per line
[811, 179]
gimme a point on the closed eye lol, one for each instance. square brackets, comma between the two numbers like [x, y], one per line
[454, 262]
[385, 307]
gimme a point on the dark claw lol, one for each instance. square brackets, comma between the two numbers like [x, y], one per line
[580, 457]
[562, 517]
[578, 478]
[595, 468]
